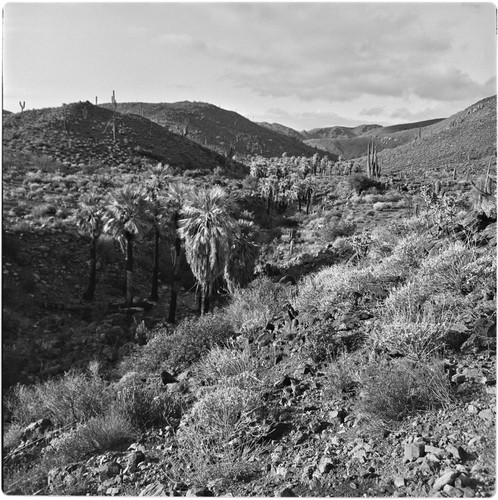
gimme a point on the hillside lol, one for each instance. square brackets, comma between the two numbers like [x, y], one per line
[217, 128]
[282, 129]
[81, 133]
[352, 142]
[466, 140]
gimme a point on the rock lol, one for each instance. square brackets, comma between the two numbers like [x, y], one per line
[37, 429]
[414, 451]
[109, 470]
[459, 378]
[113, 491]
[399, 482]
[277, 431]
[199, 492]
[325, 465]
[438, 452]
[135, 458]
[452, 492]
[468, 493]
[464, 481]
[167, 378]
[487, 415]
[443, 480]
[284, 492]
[458, 453]
[155, 489]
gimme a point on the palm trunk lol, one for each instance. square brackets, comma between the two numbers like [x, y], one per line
[174, 275]
[129, 270]
[90, 291]
[155, 275]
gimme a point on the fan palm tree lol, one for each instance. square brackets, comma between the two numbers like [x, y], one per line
[125, 220]
[89, 220]
[176, 195]
[206, 227]
[156, 211]
[243, 252]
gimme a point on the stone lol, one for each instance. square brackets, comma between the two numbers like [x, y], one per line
[443, 480]
[438, 452]
[487, 415]
[110, 470]
[325, 465]
[201, 491]
[464, 481]
[155, 489]
[459, 378]
[469, 493]
[414, 451]
[135, 458]
[35, 430]
[285, 492]
[399, 482]
[456, 452]
[452, 492]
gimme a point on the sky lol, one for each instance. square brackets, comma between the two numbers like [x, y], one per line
[304, 65]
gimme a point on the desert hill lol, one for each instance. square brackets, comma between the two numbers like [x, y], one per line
[465, 140]
[282, 129]
[82, 133]
[218, 129]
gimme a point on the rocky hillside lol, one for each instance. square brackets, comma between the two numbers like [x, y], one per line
[82, 133]
[282, 129]
[466, 140]
[218, 129]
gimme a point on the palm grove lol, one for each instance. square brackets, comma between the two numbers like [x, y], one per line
[201, 223]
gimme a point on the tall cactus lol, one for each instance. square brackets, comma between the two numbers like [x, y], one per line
[373, 167]
[114, 107]
[23, 105]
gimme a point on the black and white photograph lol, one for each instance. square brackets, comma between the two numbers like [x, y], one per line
[249, 249]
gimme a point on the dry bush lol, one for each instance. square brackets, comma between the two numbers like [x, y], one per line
[256, 305]
[381, 205]
[12, 437]
[74, 397]
[191, 339]
[97, 435]
[213, 439]
[391, 390]
[146, 406]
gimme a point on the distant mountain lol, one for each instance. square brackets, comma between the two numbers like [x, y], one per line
[217, 128]
[282, 129]
[83, 133]
[352, 142]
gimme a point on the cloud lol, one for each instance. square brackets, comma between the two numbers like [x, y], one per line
[372, 111]
[181, 41]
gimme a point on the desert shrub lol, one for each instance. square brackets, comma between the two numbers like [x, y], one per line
[44, 210]
[327, 289]
[74, 397]
[231, 366]
[97, 435]
[344, 374]
[343, 246]
[335, 228]
[190, 341]
[213, 439]
[361, 183]
[146, 406]
[380, 205]
[394, 389]
[257, 304]
[195, 337]
[12, 437]
[422, 337]
[324, 343]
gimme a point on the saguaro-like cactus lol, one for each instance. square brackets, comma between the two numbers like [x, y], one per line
[373, 167]
[23, 105]
[114, 107]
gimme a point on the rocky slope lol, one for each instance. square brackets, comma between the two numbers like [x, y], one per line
[81, 133]
[218, 129]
